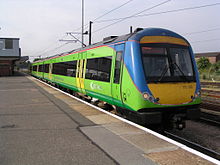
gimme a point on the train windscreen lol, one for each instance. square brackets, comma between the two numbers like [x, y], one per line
[167, 63]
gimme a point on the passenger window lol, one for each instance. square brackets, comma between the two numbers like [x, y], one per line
[46, 68]
[41, 68]
[99, 69]
[117, 67]
[71, 68]
[65, 68]
[35, 68]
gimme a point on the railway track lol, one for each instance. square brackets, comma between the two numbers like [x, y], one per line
[185, 142]
[210, 107]
[211, 92]
[210, 114]
[210, 84]
[210, 118]
[193, 145]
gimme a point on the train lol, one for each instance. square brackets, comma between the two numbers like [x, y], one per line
[148, 76]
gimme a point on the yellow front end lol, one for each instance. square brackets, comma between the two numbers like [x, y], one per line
[173, 93]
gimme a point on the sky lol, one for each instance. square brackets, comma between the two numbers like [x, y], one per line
[40, 24]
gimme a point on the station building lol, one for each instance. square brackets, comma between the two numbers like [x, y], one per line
[212, 56]
[9, 54]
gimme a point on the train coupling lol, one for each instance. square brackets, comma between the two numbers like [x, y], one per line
[178, 122]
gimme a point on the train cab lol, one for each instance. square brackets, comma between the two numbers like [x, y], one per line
[162, 67]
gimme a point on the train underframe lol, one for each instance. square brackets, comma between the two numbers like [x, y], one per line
[165, 118]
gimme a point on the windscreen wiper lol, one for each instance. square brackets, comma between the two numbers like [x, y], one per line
[164, 72]
[183, 75]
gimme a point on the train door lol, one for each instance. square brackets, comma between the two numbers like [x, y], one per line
[50, 71]
[38, 70]
[116, 81]
[43, 71]
[80, 72]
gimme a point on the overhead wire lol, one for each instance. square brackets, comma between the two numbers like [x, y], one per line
[42, 54]
[215, 39]
[112, 10]
[43, 51]
[203, 31]
[157, 13]
[86, 25]
[118, 20]
[122, 19]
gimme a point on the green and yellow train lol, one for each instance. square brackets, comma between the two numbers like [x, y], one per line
[150, 75]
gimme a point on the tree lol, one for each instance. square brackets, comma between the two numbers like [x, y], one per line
[203, 63]
[215, 67]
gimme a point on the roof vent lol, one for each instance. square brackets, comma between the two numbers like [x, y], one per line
[109, 38]
[138, 29]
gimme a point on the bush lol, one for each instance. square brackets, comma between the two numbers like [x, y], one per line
[207, 70]
[203, 63]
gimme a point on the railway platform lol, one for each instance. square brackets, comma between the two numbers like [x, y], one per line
[41, 125]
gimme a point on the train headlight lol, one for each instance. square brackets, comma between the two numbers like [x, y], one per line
[148, 97]
[198, 94]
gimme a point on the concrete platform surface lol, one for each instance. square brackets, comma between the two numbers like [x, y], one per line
[40, 125]
[34, 130]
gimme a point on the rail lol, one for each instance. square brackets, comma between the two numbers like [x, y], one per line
[216, 84]
[210, 118]
[193, 145]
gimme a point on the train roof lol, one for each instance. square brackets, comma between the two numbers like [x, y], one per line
[136, 35]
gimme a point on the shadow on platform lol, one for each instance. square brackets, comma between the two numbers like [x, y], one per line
[16, 74]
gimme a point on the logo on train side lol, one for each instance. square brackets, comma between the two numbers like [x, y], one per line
[95, 86]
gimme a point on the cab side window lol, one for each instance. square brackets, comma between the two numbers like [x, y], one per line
[117, 66]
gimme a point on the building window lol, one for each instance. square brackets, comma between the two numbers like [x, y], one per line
[8, 43]
[99, 69]
[1, 45]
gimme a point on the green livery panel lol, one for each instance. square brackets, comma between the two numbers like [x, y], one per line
[94, 88]
[119, 71]
[124, 94]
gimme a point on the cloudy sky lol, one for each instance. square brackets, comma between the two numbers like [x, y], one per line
[40, 24]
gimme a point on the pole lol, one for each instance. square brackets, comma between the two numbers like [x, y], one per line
[83, 45]
[131, 29]
[82, 23]
[90, 32]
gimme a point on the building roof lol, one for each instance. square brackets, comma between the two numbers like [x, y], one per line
[209, 54]
[11, 38]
